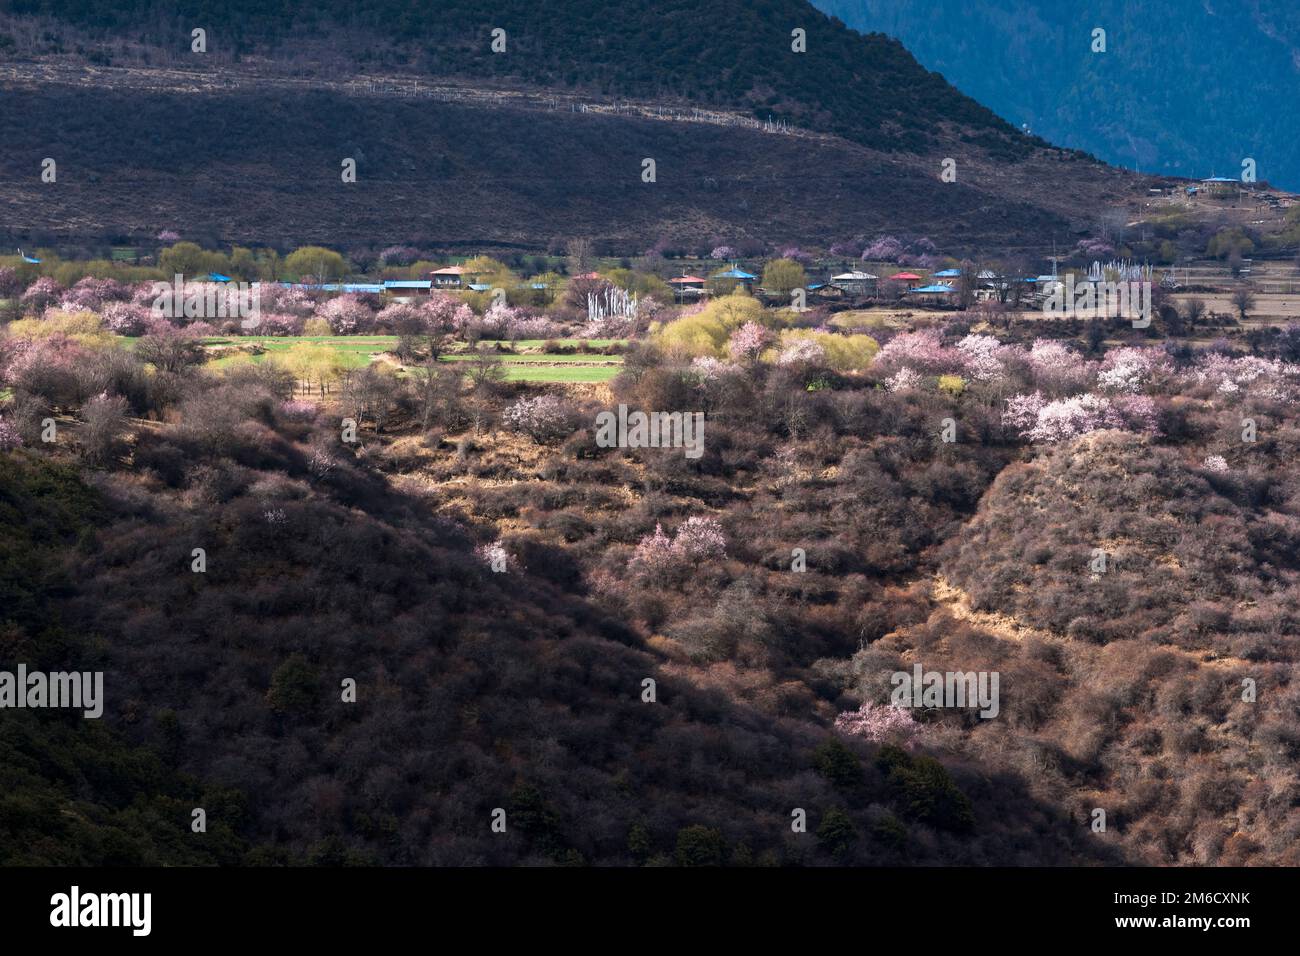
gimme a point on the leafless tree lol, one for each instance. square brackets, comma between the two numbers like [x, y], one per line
[1243, 300]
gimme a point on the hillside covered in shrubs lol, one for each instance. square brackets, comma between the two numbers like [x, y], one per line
[352, 615]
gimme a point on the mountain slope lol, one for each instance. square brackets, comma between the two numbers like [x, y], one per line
[1182, 89]
[245, 143]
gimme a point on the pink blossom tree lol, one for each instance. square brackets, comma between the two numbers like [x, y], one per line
[446, 313]
[1056, 367]
[40, 295]
[983, 355]
[747, 343]
[279, 324]
[923, 351]
[882, 724]
[90, 294]
[883, 249]
[1022, 411]
[1129, 369]
[654, 555]
[708, 369]
[399, 255]
[802, 352]
[274, 297]
[700, 539]
[125, 318]
[904, 380]
[545, 418]
[347, 315]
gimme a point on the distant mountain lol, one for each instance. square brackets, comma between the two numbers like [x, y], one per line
[458, 145]
[1186, 89]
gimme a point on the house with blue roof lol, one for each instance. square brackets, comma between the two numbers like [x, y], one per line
[939, 291]
[741, 277]
[1217, 185]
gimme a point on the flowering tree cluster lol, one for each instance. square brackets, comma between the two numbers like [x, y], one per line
[701, 539]
[904, 380]
[882, 724]
[747, 343]
[884, 249]
[521, 326]
[723, 252]
[274, 297]
[698, 539]
[1093, 249]
[92, 294]
[41, 294]
[922, 351]
[709, 369]
[347, 315]
[446, 313]
[802, 352]
[923, 261]
[1063, 419]
[400, 317]
[983, 357]
[125, 318]
[546, 418]
[1055, 366]
[1234, 376]
[1130, 369]
[280, 324]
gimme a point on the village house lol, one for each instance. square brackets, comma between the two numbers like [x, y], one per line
[910, 279]
[450, 277]
[938, 294]
[687, 287]
[739, 276]
[855, 282]
[1218, 185]
[403, 290]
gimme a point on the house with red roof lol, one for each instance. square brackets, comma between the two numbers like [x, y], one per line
[687, 286]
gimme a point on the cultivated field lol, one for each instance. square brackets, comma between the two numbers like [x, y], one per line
[526, 363]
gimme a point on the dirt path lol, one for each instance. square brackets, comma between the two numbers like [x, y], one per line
[235, 79]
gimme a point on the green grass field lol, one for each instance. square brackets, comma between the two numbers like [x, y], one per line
[357, 351]
[561, 373]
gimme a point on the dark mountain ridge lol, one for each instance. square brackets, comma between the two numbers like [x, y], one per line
[549, 138]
